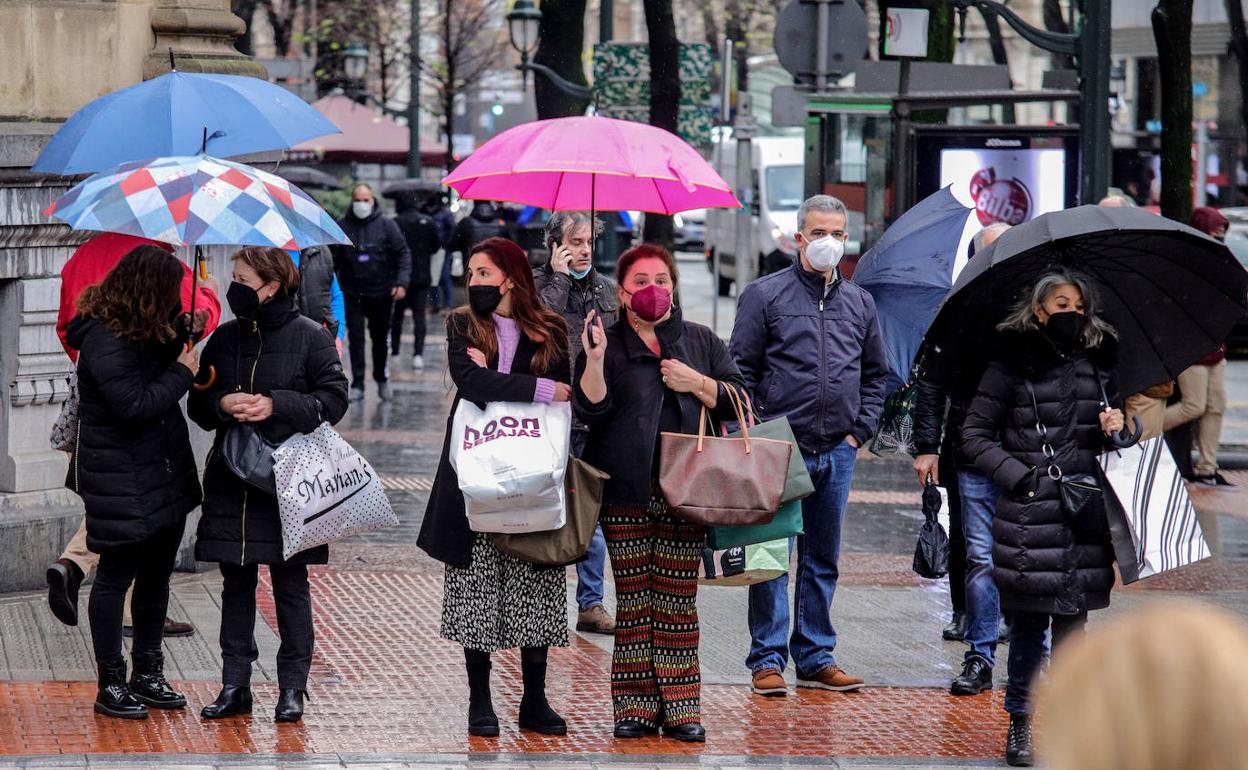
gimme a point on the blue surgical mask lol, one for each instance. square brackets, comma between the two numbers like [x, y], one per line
[582, 274]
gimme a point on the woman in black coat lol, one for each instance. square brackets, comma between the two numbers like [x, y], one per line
[505, 346]
[278, 371]
[1048, 571]
[133, 466]
[651, 372]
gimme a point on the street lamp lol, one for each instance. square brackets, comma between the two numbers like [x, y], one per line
[523, 27]
[355, 62]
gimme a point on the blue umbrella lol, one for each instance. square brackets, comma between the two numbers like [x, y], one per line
[909, 272]
[173, 114]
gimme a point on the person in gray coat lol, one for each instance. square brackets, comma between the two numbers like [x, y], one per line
[570, 286]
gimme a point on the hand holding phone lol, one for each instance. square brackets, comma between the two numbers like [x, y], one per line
[560, 258]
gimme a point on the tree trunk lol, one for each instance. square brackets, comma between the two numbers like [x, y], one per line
[1239, 47]
[999, 56]
[664, 93]
[448, 91]
[1054, 21]
[561, 40]
[1172, 28]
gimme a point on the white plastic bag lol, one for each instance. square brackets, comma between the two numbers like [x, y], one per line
[326, 491]
[511, 458]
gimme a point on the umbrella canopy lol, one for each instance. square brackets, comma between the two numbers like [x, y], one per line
[1171, 292]
[368, 136]
[909, 272]
[198, 200]
[417, 188]
[168, 116]
[592, 163]
[306, 176]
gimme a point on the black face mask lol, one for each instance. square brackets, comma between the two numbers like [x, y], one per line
[484, 299]
[1066, 329]
[243, 299]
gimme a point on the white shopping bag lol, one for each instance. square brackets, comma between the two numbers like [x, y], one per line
[511, 458]
[1152, 522]
[326, 491]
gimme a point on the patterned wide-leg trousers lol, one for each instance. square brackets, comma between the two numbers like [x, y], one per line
[655, 676]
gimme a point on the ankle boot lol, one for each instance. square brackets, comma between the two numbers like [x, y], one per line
[289, 706]
[482, 721]
[230, 702]
[114, 698]
[535, 712]
[1018, 742]
[148, 683]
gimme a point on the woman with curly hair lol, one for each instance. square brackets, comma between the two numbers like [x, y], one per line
[133, 465]
[504, 346]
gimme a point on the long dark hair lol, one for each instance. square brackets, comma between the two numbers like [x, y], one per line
[546, 329]
[139, 298]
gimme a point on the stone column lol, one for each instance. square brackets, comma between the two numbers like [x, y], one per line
[201, 34]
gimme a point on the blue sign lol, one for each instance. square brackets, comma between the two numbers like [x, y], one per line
[1153, 126]
[1199, 88]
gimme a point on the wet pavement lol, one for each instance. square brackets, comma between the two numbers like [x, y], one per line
[386, 691]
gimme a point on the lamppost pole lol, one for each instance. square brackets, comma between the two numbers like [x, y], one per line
[413, 97]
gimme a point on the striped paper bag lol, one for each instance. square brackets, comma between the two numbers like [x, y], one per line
[1151, 519]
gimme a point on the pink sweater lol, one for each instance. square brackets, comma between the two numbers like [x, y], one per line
[508, 333]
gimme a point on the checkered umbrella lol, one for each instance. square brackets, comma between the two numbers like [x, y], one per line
[198, 200]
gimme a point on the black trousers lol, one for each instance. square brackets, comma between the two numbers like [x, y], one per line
[293, 601]
[417, 298]
[957, 543]
[375, 312]
[148, 565]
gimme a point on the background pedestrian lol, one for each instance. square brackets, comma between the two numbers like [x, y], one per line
[504, 346]
[420, 230]
[133, 465]
[278, 373]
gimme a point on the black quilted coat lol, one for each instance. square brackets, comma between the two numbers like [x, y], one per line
[1041, 564]
[133, 465]
[291, 359]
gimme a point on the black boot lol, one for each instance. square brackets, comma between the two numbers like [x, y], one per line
[148, 682]
[535, 713]
[289, 706]
[114, 697]
[956, 630]
[231, 701]
[64, 578]
[1018, 742]
[690, 732]
[976, 677]
[482, 720]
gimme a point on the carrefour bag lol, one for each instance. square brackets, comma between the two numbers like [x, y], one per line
[511, 458]
[326, 491]
[744, 565]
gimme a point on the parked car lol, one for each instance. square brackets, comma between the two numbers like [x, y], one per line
[690, 230]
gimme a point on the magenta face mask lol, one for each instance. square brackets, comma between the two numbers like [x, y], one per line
[651, 303]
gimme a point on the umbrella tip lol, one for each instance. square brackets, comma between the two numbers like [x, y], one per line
[172, 66]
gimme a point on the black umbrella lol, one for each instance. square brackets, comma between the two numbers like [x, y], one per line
[418, 188]
[1171, 292]
[306, 176]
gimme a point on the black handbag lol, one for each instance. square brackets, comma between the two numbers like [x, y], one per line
[931, 553]
[248, 453]
[1082, 499]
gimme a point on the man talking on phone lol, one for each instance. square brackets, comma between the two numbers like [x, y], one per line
[570, 286]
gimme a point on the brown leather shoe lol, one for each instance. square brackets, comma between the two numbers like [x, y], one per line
[595, 620]
[172, 628]
[770, 682]
[831, 678]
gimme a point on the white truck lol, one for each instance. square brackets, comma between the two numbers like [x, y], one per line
[778, 185]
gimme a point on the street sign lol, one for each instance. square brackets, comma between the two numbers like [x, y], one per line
[788, 106]
[797, 45]
[907, 32]
[1200, 88]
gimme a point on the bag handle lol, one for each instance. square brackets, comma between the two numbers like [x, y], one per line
[735, 398]
[1054, 470]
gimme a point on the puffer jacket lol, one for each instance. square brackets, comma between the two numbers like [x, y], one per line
[292, 359]
[943, 392]
[1040, 563]
[813, 353]
[133, 465]
[378, 262]
[316, 287]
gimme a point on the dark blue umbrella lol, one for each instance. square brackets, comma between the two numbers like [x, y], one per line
[909, 272]
[173, 115]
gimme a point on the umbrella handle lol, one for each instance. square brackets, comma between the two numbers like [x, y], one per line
[1126, 437]
[200, 387]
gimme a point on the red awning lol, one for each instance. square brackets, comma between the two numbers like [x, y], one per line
[368, 136]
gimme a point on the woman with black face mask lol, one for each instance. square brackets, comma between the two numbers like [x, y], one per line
[1039, 419]
[278, 373]
[504, 346]
[651, 372]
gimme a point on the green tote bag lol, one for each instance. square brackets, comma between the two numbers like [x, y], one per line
[786, 524]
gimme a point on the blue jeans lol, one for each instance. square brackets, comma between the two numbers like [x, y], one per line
[589, 573]
[983, 604]
[818, 550]
[1028, 650]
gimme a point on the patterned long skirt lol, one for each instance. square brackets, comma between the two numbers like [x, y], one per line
[654, 668]
[501, 602]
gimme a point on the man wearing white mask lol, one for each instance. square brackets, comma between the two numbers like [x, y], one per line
[374, 272]
[809, 346]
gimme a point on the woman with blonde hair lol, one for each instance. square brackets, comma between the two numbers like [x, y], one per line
[1163, 688]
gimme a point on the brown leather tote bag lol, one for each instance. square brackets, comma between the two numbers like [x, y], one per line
[723, 481]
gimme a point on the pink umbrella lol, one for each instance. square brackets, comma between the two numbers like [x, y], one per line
[592, 163]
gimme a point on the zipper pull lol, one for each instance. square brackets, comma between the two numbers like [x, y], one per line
[820, 306]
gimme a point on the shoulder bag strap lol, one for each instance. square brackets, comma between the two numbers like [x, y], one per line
[1054, 470]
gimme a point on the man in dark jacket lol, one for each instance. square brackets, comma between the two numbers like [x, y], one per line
[484, 222]
[442, 294]
[374, 272]
[946, 388]
[809, 347]
[420, 230]
[570, 286]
